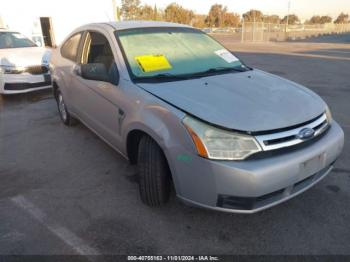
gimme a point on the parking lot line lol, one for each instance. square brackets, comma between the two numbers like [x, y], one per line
[68, 237]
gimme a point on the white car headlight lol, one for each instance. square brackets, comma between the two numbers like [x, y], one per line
[214, 143]
[11, 69]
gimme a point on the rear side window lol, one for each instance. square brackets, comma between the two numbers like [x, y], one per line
[69, 49]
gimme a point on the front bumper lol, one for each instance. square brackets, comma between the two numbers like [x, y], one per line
[256, 184]
[23, 83]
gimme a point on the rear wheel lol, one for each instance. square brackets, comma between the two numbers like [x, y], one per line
[154, 173]
[66, 118]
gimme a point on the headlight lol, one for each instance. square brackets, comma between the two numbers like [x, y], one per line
[12, 69]
[214, 143]
[329, 115]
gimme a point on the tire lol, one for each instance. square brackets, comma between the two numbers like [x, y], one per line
[66, 118]
[154, 173]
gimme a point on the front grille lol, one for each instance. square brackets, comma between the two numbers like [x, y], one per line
[251, 203]
[291, 137]
[287, 150]
[37, 70]
[24, 86]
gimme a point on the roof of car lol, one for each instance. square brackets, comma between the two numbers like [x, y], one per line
[141, 24]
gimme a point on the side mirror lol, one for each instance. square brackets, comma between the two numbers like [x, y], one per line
[95, 71]
[98, 72]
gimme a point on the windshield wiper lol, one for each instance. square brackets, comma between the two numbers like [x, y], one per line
[220, 70]
[165, 76]
[171, 77]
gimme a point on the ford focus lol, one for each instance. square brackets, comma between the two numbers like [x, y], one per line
[191, 114]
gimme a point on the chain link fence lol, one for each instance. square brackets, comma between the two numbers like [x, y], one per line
[263, 32]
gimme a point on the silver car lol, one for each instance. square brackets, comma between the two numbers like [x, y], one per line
[188, 112]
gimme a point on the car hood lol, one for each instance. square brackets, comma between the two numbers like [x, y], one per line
[24, 56]
[250, 101]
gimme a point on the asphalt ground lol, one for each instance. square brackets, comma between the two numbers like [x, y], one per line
[64, 191]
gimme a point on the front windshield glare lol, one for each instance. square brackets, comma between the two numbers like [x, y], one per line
[14, 40]
[174, 52]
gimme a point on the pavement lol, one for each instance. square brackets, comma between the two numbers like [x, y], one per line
[64, 191]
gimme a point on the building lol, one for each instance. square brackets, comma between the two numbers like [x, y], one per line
[48, 22]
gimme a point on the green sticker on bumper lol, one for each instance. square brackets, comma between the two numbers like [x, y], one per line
[184, 158]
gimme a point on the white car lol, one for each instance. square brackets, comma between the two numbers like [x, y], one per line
[24, 66]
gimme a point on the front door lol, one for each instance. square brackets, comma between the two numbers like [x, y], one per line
[97, 101]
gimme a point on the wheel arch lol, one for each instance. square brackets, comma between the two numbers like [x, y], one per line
[133, 140]
[132, 144]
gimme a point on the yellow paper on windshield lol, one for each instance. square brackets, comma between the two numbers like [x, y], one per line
[149, 63]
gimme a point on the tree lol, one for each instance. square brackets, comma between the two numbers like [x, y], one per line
[130, 9]
[316, 19]
[273, 19]
[145, 12]
[291, 19]
[326, 19]
[342, 19]
[231, 20]
[313, 20]
[253, 16]
[199, 21]
[219, 17]
[215, 16]
[177, 14]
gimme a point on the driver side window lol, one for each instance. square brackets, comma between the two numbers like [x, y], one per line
[98, 52]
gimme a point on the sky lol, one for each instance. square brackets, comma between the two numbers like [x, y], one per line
[304, 8]
[23, 15]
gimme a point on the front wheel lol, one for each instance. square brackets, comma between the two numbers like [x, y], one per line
[154, 173]
[66, 118]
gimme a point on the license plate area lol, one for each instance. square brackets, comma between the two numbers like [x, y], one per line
[311, 166]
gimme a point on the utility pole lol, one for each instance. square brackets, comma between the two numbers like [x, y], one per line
[254, 26]
[288, 14]
[242, 28]
[115, 11]
[287, 23]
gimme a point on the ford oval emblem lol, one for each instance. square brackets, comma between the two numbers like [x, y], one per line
[306, 133]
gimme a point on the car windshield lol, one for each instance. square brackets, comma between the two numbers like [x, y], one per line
[174, 53]
[14, 40]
